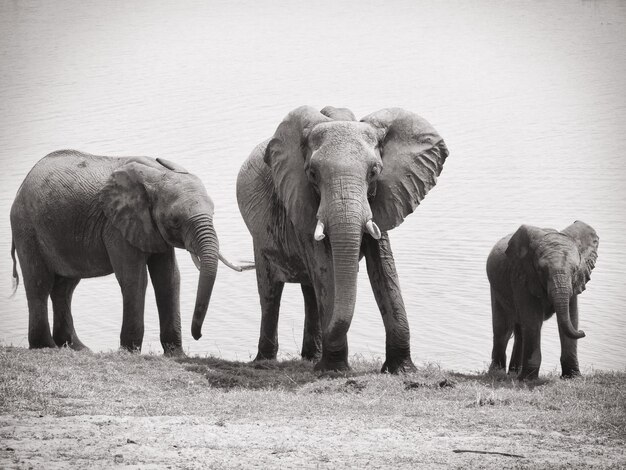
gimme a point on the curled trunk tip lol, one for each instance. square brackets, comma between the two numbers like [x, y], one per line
[575, 334]
[202, 242]
[561, 306]
[196, 330]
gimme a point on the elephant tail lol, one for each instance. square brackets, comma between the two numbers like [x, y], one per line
[16, 277]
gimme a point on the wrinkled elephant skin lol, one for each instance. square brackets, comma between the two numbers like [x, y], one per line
[534, 273]
[317, 197]
[78, 215]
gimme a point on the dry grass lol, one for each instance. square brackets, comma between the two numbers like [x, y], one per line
[228, 413]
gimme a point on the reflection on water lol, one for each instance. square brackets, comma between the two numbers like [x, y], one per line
[528, 96]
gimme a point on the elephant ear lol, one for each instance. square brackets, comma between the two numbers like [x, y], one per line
[338, 114]
[172, 166]
[413, 154]
[587, 241]
[127, 204]
[285, 155]
[521, 251]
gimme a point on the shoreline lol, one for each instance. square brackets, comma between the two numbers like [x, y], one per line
[60, 408]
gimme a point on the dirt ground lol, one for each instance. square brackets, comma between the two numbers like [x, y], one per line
[64, 410]
[302, 442]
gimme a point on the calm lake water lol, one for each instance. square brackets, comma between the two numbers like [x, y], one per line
[529, 97]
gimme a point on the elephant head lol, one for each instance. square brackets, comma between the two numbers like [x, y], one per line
[340, 177]
[158, 204]
[556, 265]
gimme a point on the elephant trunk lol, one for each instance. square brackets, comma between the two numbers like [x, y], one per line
[345, 240]
[201, 240]
[561, 292]
[347, 212]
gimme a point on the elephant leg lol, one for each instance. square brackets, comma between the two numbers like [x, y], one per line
[335, 359]
[531, 352]
[312, 338]
[569, 346]
[134, 295]
[501, 334]
[383, 276]
[518, 348]
[165, 279]
[63, 330]
[129, 266]
[270, 292]
[38, 281]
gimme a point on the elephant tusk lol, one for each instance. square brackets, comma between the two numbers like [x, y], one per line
[195, 260]
[236, 267]
[319, 231]
[373, 229]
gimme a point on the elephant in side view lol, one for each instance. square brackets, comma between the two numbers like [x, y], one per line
[78, 215]
[533, 273]
[307, 196]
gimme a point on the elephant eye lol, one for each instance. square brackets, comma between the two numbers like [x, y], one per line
[374, 172]
[312, 174]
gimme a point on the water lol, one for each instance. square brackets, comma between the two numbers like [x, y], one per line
[529, 97]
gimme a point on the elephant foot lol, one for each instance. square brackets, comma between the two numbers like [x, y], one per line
[331, 366]
[311, 348]
[569, 367]
[333, 361]
[170, 350]
[77, 345]
[40, 341]
[42, 345]
[513, 370]
[528, 374]
[311, 357]
[311, 354]
[497, 366]
[265, 356]
[398, 366]
[570, 374]
[133, 348]
[70, 341]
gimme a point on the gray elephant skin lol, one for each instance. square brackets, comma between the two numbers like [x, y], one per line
[78, 215]
[534, 273]
[317, 197]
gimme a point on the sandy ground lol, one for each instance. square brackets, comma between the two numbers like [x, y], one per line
[303, 442]
[64, 410]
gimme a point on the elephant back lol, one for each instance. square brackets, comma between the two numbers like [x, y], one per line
[65, 178]
[59, 196]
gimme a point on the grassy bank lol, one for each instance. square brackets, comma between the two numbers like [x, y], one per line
[65, 409]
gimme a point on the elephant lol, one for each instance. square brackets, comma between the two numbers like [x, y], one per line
[78, 215]
[534, 273]
[318, 196]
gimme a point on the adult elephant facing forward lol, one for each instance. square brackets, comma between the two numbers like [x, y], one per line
[308, 195]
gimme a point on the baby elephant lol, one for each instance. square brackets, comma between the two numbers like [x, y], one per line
[78, 215]
[533, 273]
